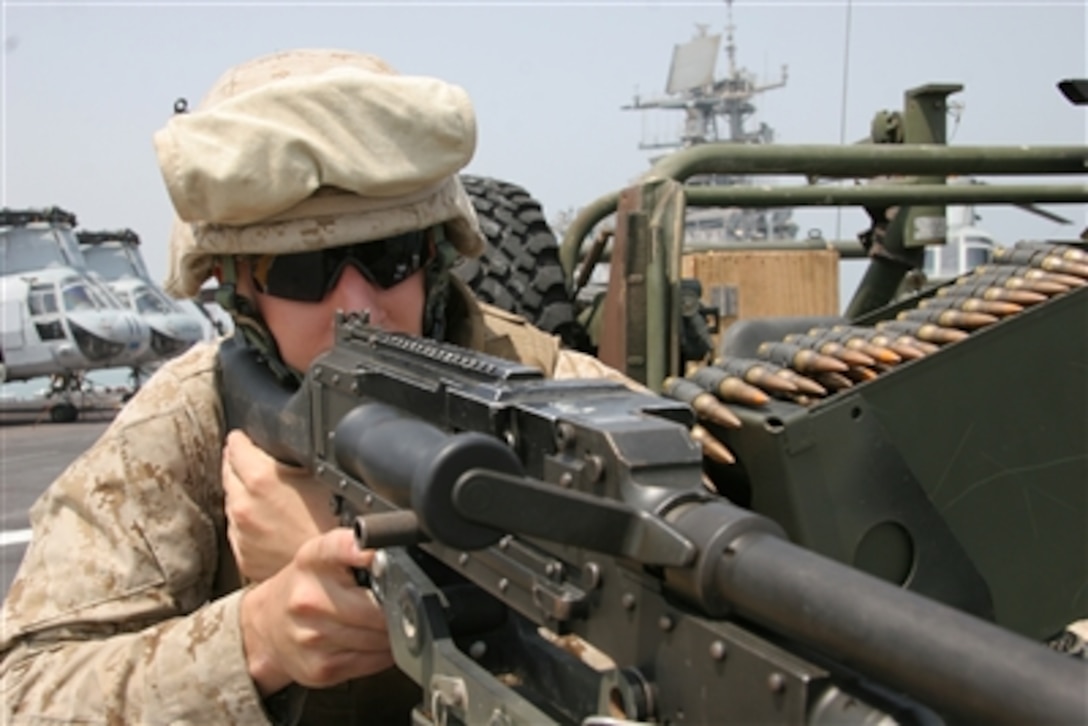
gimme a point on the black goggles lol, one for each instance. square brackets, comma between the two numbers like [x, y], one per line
[310, 276]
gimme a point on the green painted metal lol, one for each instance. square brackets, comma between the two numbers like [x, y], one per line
[925, 118]
[638, 296]
[657, 323]
[884, 195]
[962, 475]
[978, 455]
[870, 160]
[653, 223]
[849, 161]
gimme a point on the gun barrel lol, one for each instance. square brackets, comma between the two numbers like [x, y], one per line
[952, 661]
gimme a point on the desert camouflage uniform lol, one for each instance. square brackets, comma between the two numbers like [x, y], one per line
[127, 600]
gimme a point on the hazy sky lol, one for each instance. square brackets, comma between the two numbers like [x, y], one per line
[86, 84]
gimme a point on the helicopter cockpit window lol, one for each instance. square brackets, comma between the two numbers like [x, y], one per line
[148, 302]
[110, 260]
[977, 256]
[24, 249]
[169, 304]
[66, 240]
[103, 296]
[930, 262]
[948, 263]
[42, 300]
[979, 251]
[940, 262]
[78, 298]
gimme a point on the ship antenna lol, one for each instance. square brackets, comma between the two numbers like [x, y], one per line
[730, 46]
[842, 111]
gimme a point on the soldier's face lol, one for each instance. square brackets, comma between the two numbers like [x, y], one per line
[304, 330]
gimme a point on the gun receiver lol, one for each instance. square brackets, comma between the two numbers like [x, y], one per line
[521, 519]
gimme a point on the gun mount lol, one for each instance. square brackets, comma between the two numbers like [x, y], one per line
[954, 466]
[519, 514]
[962, 434]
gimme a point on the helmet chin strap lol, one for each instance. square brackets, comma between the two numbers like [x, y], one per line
[249, 326]
[436, 282]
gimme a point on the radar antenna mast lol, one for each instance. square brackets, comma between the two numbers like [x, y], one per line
[692, 88]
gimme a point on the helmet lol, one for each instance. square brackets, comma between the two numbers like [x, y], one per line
[307, 149]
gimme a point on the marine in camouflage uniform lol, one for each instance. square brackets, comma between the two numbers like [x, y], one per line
[126, 607]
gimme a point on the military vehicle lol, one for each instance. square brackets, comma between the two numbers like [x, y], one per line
[951, 457]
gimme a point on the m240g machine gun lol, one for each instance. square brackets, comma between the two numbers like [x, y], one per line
[549, 553]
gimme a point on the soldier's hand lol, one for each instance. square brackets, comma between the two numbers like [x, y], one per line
[271, 509]
[311, 623]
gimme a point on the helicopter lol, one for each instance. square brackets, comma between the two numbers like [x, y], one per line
[114, 257]
[57, 320]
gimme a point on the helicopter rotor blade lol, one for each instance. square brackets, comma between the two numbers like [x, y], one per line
[1039, 211]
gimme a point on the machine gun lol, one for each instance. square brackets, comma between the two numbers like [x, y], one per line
[549, 553]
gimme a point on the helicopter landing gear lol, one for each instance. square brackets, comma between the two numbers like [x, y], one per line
[61, 389]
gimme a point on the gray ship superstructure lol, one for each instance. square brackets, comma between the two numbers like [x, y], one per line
[718, 110]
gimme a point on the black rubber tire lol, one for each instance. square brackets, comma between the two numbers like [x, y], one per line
[519, 270]
[63, 413]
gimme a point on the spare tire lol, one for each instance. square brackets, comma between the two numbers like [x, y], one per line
[519, 270]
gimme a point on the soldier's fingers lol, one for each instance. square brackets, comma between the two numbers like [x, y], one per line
[335, 552]
[293, 475]
[333, 557]
[358, 609]
[238, 439]
[335, 668]
[233, 487]
[251, 461]
[244, 457]
[237, 465]
[234, 538]
[362, 640]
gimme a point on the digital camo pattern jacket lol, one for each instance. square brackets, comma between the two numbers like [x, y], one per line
[118, 614]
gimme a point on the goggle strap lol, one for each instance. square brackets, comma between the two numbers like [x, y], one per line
[259, 266]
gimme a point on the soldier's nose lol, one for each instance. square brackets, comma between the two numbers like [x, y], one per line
[353, 293]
